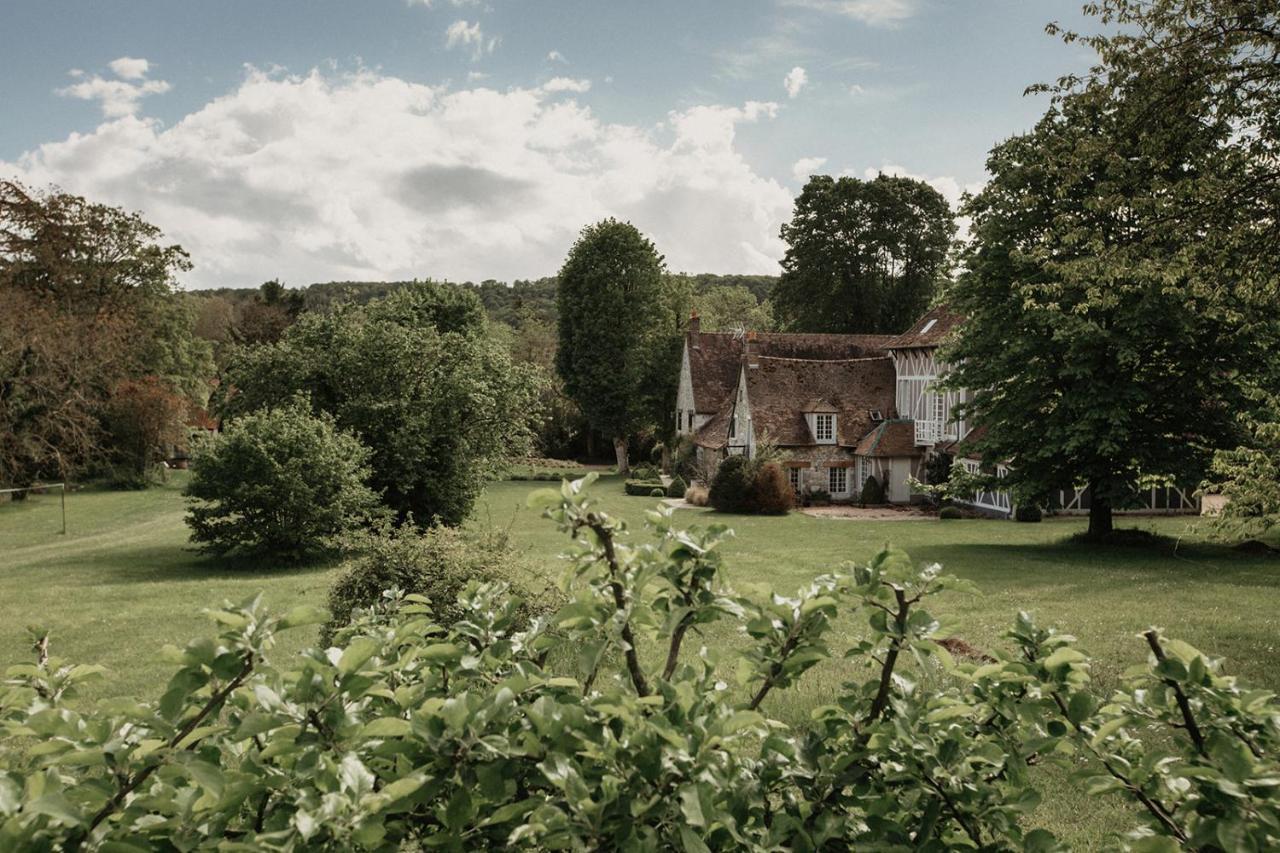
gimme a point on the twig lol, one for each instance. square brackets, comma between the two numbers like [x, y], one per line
[1184, 705]
[605, 535]
[215, 702]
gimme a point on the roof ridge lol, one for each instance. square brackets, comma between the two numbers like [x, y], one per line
[824, 360]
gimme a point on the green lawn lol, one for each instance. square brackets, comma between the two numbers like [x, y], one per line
[123, 582]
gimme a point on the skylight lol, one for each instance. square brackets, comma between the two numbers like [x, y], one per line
[928, 326]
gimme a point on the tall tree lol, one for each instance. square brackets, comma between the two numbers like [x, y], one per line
[613, 327]
[440, 409]
[862, 256]
[88, 298]
[1115, 324]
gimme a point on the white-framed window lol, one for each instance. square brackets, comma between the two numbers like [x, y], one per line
[793, 477]
[824, 427]
[837, 480]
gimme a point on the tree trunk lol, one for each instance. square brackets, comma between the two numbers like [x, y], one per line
[1100, 521]
[591, 444]
[620, 449]
[666, 459]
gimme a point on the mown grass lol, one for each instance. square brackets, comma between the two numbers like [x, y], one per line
[123, 582]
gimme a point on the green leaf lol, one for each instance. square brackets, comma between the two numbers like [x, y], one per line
[691, 806]
[304, 614]
[691, 842]
[384, 727]
[356, 654]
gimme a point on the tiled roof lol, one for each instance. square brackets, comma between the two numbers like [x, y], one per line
[715, 432]
[928, 331]
[890, 438]
[714, 357]
[778, 388]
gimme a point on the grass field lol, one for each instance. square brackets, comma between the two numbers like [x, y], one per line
[123, 582]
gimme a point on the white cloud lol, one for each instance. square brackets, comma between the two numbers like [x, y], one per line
[876, 13]
[557, 56]
[795, 81]
[463, 34]
[365, 176]
[856, 89]
[128, 68]
[806, 166]
[457, 4]
[118, 97]
[566, 84]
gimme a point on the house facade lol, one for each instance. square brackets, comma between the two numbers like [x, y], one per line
[845, 408]
[828, 401]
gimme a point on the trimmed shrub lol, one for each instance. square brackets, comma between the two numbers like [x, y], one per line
[684, 460]
[950, 512]
[437, 563]
[771, 493]
[641, 488]
[731, 489]
[872, 492]
[658, 493]
[677, 487]
[644, 472]
[817, 496]
[697, 495]
[280, 482]
[1027, 513]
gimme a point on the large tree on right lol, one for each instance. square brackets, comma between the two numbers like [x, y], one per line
[1119, 308]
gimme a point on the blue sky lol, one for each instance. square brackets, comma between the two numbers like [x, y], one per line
[469, 139]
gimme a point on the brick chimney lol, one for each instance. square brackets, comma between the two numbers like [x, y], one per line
[695, 322]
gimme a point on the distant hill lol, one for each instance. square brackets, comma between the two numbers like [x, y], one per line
[505, 302]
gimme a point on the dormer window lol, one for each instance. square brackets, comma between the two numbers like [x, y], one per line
[824, 427]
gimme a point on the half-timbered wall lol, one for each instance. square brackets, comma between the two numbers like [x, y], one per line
[917, 396]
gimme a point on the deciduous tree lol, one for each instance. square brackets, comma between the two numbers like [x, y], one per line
[1118, 307]
[614, 329]
[279, 482]
[440, 410]
[862, 256]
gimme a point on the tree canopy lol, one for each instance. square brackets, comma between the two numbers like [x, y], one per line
[615, 325]
[1116, 316]
[862, 256]
[438, 408]
[88, 303]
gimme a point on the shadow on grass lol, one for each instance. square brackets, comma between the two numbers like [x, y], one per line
[160, 563]
[1195, 562]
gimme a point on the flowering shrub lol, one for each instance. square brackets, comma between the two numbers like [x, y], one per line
[602, 727]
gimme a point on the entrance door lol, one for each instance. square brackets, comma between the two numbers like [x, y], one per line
[899, 470]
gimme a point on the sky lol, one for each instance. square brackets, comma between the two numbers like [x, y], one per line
[318, 140]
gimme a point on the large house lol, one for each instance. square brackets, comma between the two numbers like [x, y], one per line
[844, 408]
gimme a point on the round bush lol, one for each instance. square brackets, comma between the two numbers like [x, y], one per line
[1027, 513]
[771, 493]
[696, 495]
[677, 487]
[279, 482]
[644, 472]
[658, 493]
[731, 489]
[438, 563]
[872, 492]
[950, 512]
